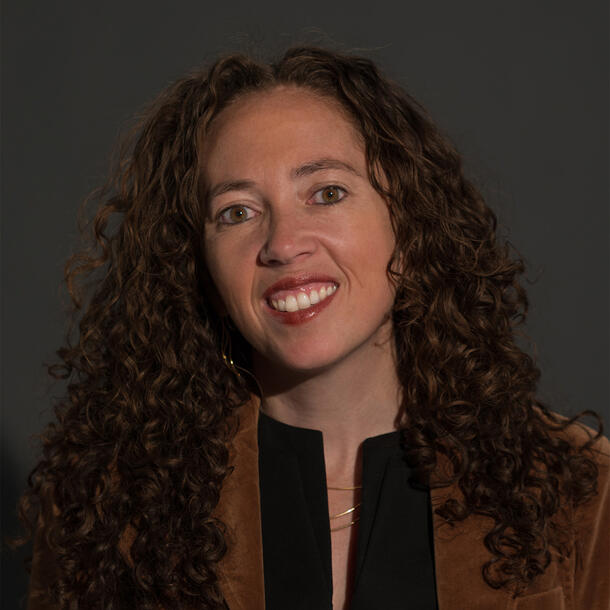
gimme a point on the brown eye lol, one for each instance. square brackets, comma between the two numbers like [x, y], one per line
[236, 214]
[330, 194]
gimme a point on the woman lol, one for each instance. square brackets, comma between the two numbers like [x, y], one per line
[296, 382]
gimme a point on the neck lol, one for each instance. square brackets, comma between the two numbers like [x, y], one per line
[349, 401]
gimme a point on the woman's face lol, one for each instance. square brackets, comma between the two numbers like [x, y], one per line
[297, 241]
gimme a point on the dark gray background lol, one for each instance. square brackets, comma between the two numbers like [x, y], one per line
[521, 87]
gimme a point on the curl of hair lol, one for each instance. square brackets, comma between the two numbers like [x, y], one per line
[141, 438]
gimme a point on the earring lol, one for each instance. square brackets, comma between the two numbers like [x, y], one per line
[226, 356]
[226, 347]
[229, 362]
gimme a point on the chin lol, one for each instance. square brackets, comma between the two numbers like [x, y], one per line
[307, 362]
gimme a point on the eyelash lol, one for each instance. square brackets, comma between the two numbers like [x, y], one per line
[223, 214]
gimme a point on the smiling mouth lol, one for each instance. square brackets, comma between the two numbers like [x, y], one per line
[296, 305]
[305, 298]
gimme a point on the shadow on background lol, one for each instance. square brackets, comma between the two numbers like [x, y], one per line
[14, 575]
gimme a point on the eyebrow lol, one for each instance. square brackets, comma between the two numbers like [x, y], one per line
[307, 169]
[321, 164]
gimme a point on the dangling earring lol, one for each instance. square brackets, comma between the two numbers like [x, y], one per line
[226, 349]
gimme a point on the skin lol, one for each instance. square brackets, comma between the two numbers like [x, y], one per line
[335, 372]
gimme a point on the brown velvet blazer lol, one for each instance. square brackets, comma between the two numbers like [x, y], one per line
[582, 582]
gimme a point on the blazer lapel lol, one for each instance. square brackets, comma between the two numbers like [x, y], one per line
[459, 554]
[241, 570]
[459, 551]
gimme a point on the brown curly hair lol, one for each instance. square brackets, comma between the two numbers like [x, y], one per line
[141, 437]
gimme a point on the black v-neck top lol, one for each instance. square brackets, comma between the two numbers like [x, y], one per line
[394, 556]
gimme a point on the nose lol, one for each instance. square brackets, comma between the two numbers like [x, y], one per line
[289, 238]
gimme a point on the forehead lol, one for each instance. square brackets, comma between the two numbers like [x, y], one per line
[285, 125]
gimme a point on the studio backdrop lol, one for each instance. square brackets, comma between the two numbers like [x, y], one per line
[521, 88]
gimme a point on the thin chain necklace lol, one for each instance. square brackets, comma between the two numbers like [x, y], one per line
[345, 512]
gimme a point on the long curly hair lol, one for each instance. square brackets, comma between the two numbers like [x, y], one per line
[141, 437]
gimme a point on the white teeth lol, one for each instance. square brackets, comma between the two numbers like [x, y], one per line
[291, 303]
[302, 300]
[280, 304]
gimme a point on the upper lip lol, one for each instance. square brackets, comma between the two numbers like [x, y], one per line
[295, 281]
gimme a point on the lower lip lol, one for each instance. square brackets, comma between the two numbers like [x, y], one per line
[301, 315]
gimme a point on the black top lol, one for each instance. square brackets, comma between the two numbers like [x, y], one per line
[394, 556]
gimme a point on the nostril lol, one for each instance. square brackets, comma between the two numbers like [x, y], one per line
[283, 252]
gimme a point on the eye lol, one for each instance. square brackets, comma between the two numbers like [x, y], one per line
[329, 195]
[236, 214]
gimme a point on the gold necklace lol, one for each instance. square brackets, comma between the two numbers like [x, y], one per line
[345, 488]
[345, 512]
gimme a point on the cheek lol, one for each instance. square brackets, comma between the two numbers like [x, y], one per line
[375, 243]
[375, 255]
[387, 241]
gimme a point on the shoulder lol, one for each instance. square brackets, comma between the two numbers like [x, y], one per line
[595, 448]
[590, 576]
[579, 436]
[591, 445]
[593, 451]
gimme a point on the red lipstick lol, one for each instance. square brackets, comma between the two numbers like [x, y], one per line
[292, 283]
[296, 281]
